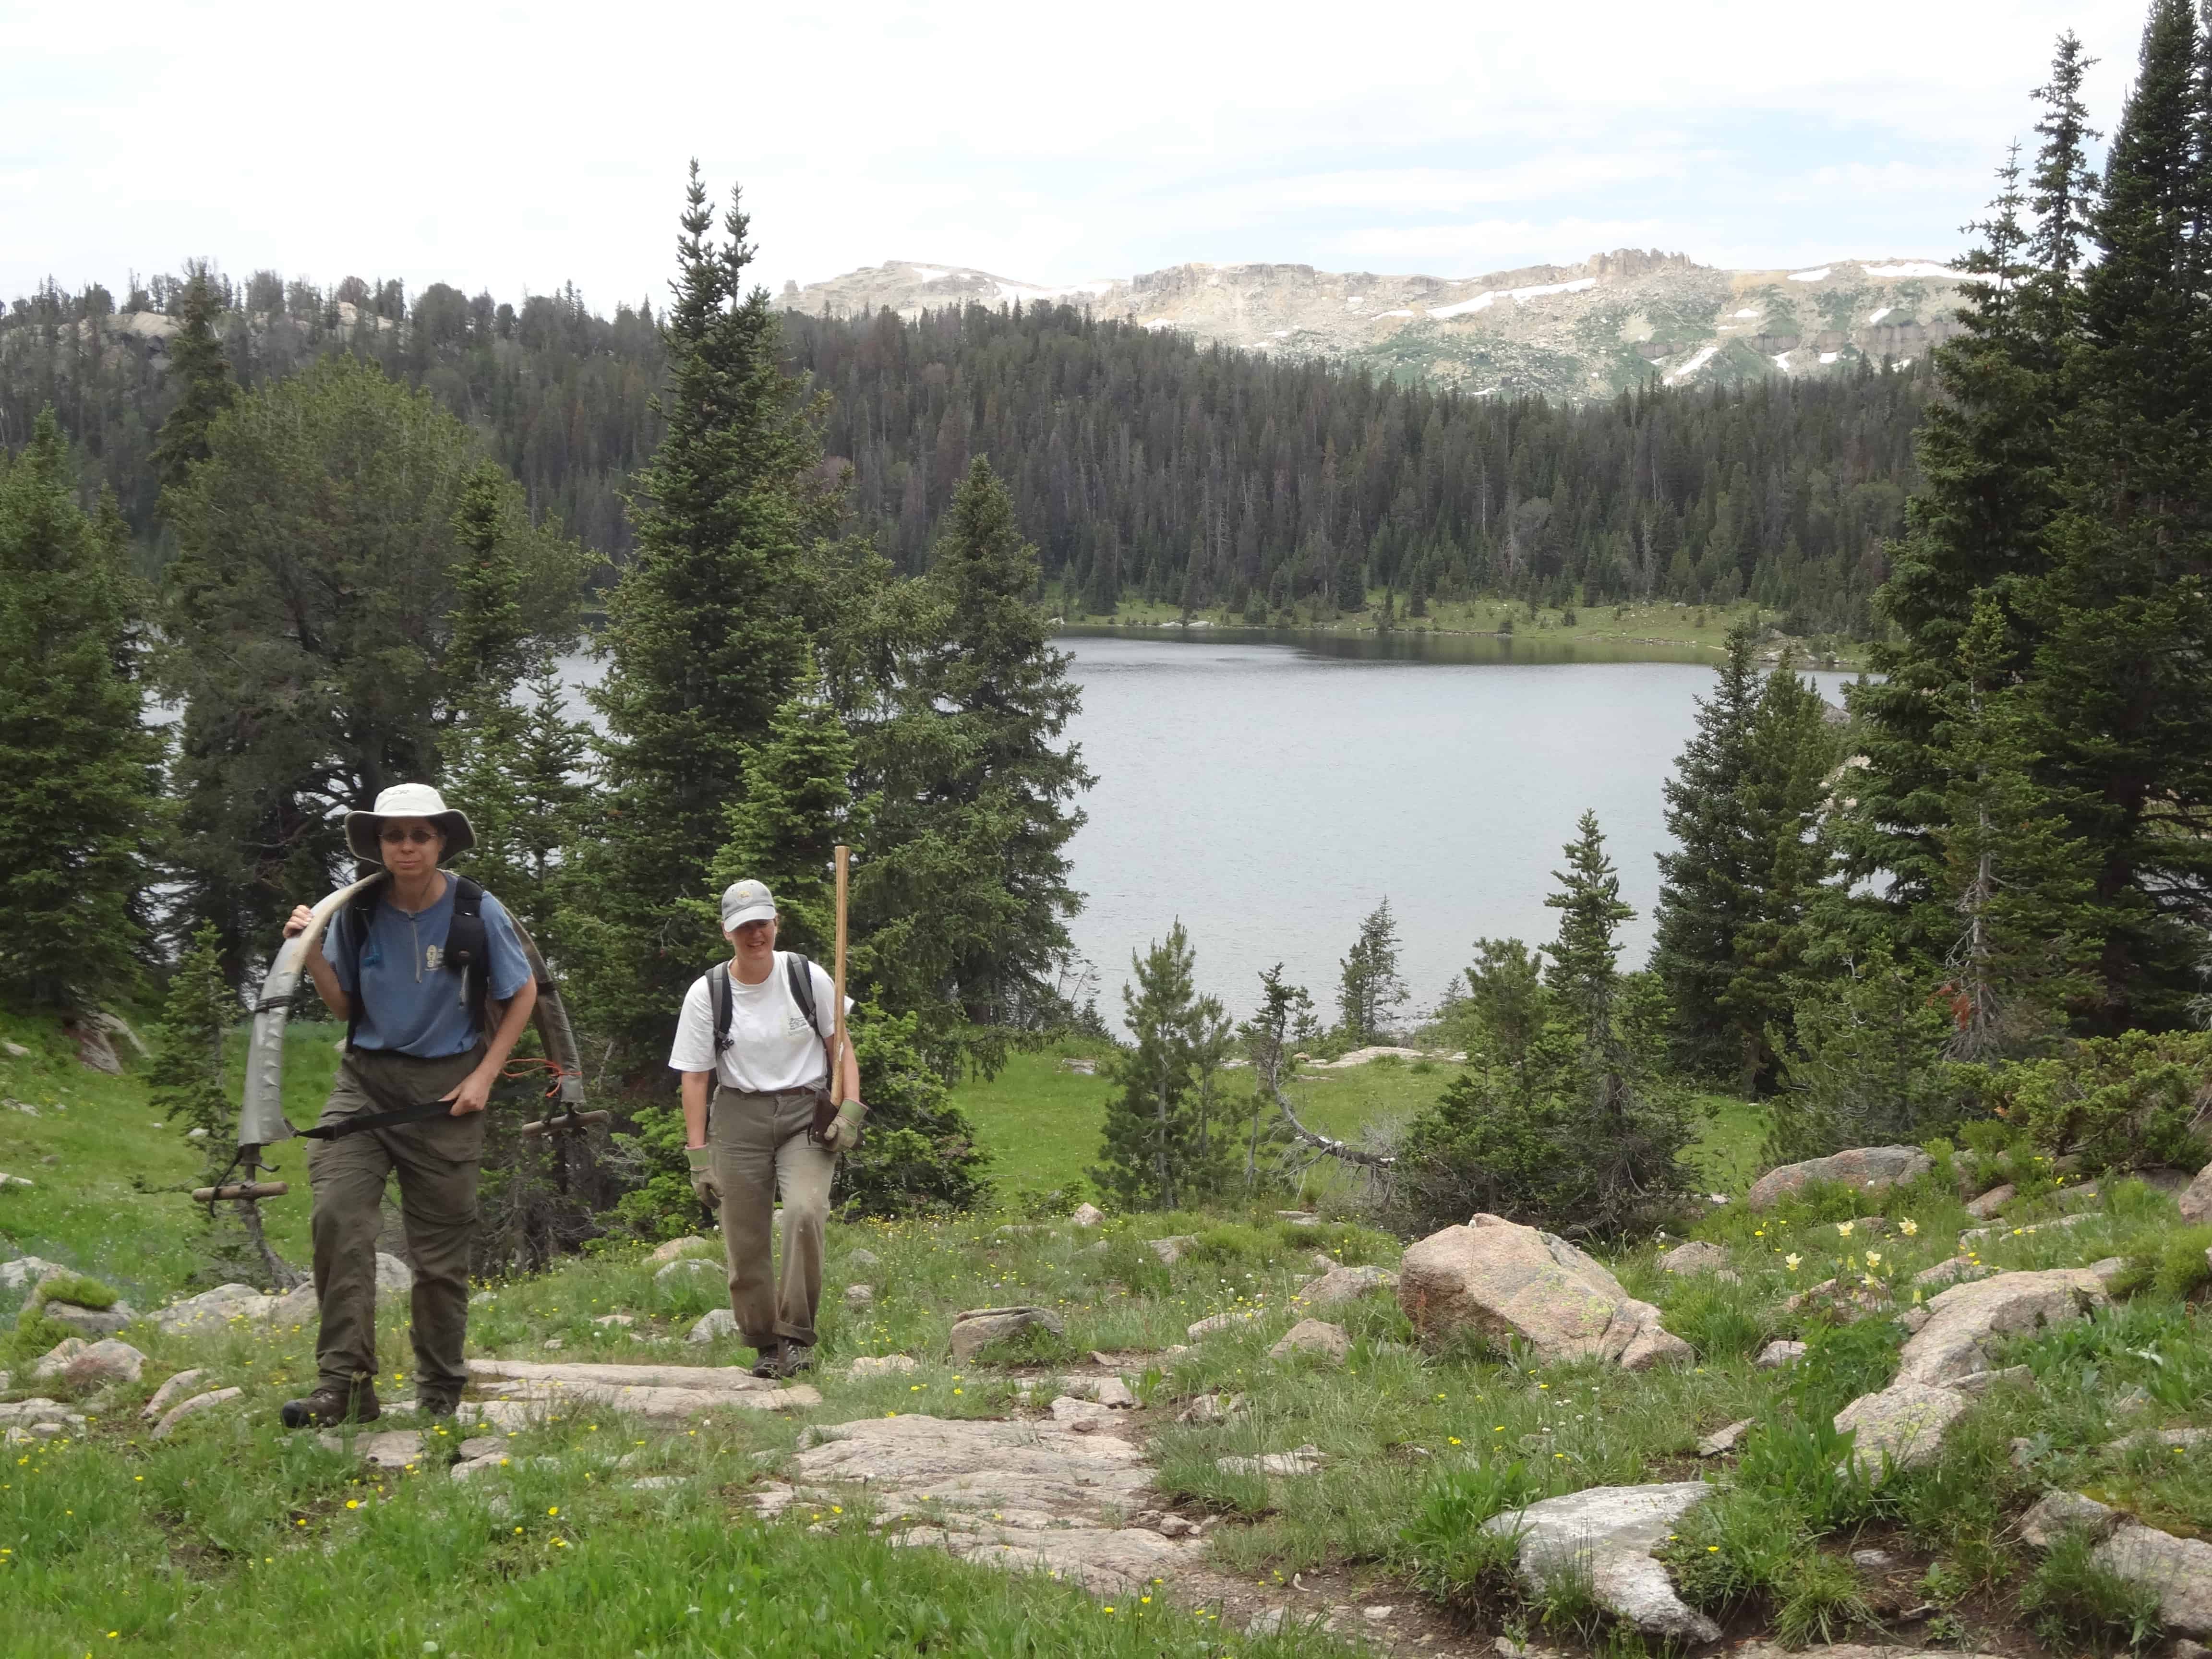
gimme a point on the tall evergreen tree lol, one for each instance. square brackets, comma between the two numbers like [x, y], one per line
[1990, 456]
[2123, 665]
[966, 895]
[79, 770]
[185, 1083]
[1584, 970]
[1708, 896]
[705, 631]
[199, 372]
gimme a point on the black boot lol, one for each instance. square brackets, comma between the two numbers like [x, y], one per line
[770, 1363]
[330, 1405]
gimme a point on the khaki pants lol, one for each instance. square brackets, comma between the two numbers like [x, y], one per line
[760, 1149]
[436, 1161]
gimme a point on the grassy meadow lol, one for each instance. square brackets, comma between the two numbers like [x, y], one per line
[232, 1536]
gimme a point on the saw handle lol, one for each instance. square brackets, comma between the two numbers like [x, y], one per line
[566, 1122]
[248, 1190]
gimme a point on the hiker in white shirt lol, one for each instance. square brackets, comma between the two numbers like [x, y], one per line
[746, 1040]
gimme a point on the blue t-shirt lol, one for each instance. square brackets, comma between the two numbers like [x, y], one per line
[409, 1001]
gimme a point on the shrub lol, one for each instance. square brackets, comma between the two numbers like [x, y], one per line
[2174, 1263]
[75, 1289]
[2113, 1102]
[1820, 1601]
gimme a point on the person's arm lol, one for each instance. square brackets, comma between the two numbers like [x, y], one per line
[475, 1090]
[319, 966]
[695, 1107]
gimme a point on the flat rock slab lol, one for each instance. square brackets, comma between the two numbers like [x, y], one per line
[645, 1390]
[391, 1449]
[1902, 1427]
[1869, 1169]
[1966, 1321]
[1013, 1495]
[192, 1407]
[2179, 1568]
[1609, 1533]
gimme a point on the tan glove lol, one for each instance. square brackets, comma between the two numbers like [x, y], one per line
[702, 1160]
[844, 1133]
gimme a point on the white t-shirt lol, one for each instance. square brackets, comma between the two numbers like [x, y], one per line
[772, 1046]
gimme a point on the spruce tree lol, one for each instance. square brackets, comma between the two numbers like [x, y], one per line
[1370, 990]
[1152, 1153]
[185, 1082]
[2123, 664]
[79, 770]
[199, 373]
[966, 894]
[1584, 971]
[1708, 896]
[705, 630]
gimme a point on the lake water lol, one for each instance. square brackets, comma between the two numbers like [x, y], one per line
[1269, 788]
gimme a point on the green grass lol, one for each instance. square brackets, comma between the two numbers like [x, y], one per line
[1039, 1120]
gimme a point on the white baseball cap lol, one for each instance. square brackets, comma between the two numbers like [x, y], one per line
[746, 901]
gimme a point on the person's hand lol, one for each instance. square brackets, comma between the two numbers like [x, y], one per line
[702, 1160]
[470, 1094]
[844, 1132]
[296, 923]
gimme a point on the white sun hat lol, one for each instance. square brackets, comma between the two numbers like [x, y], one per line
[407, 800]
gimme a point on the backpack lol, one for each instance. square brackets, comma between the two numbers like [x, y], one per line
[798, 974]
[468, 948]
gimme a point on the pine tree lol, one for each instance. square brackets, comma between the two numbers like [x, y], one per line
[2122, 665]
[1370, 990]
[705, 631]
[966, 892]
[1584, 971]
[1152, 1154]
[200, 371]
[1791, 754]
[1990, 459]
[78, 767]
[185, 1082]
[1707, 894]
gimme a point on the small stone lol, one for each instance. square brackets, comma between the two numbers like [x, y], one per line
[1324, 1342]
[677, 1248]
[1775, 1355]
[26, 1271]
[1948, 1272]
[15, 1050]
[1343, 1284]
[82, 1365]
[1723, 1441]
[1070, 1410]
[1268, 1622]
[1303, 1461]
[615, 1319]
[392, 1448]
[859, 1295]
[183, 1409]
[1173, 1526]
[1979, 1382]
[713, 1323]
[393, 1276]
[1376, 1615]
[976, 1328]
[1606, 1536]
[1170, 1250]
[1901, 1427]
[864, 1259]
[196, 1134]
[1212, 1408]
[91, 1321]
[1873, 1560]
[47, 1430]
[1695, 1258]
[656, 1482]
[2056, 1513]
[1086, 1215]
[1299, 1218]
[882, 1364]
[1991, 1202]
[1200, 1329]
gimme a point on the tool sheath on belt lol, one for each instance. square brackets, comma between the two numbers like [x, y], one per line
[418, 1113]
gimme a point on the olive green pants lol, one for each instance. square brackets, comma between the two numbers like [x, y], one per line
[436, 1163]
[761, 1148]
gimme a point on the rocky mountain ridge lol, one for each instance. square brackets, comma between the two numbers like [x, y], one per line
[1581, 331]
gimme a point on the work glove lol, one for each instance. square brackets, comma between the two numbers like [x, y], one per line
[844, 1132]
[702, 1160]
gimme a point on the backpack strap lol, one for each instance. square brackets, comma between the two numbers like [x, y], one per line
[718, 1006]
[799, 974]
[358, 915]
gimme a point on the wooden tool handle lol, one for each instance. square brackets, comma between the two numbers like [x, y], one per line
[837, 1042]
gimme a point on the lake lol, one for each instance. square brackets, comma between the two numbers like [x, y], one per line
[1270, 789]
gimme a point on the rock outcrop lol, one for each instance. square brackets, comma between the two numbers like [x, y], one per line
[2196, 1201]
[1343, 1284]
[979, 1328]
[1902, 1427]
[1498, 1280]
[1866, 1169]
[530, 1390]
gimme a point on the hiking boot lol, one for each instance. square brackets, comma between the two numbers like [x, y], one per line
[330, 1405]
[437, 1405]
[792, 1359]
[770, 1361]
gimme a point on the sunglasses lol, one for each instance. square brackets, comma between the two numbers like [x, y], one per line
[393, 837]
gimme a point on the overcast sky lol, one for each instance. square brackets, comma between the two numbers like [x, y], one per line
[516, 148]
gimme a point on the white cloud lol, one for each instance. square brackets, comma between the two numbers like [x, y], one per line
[508, 146]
